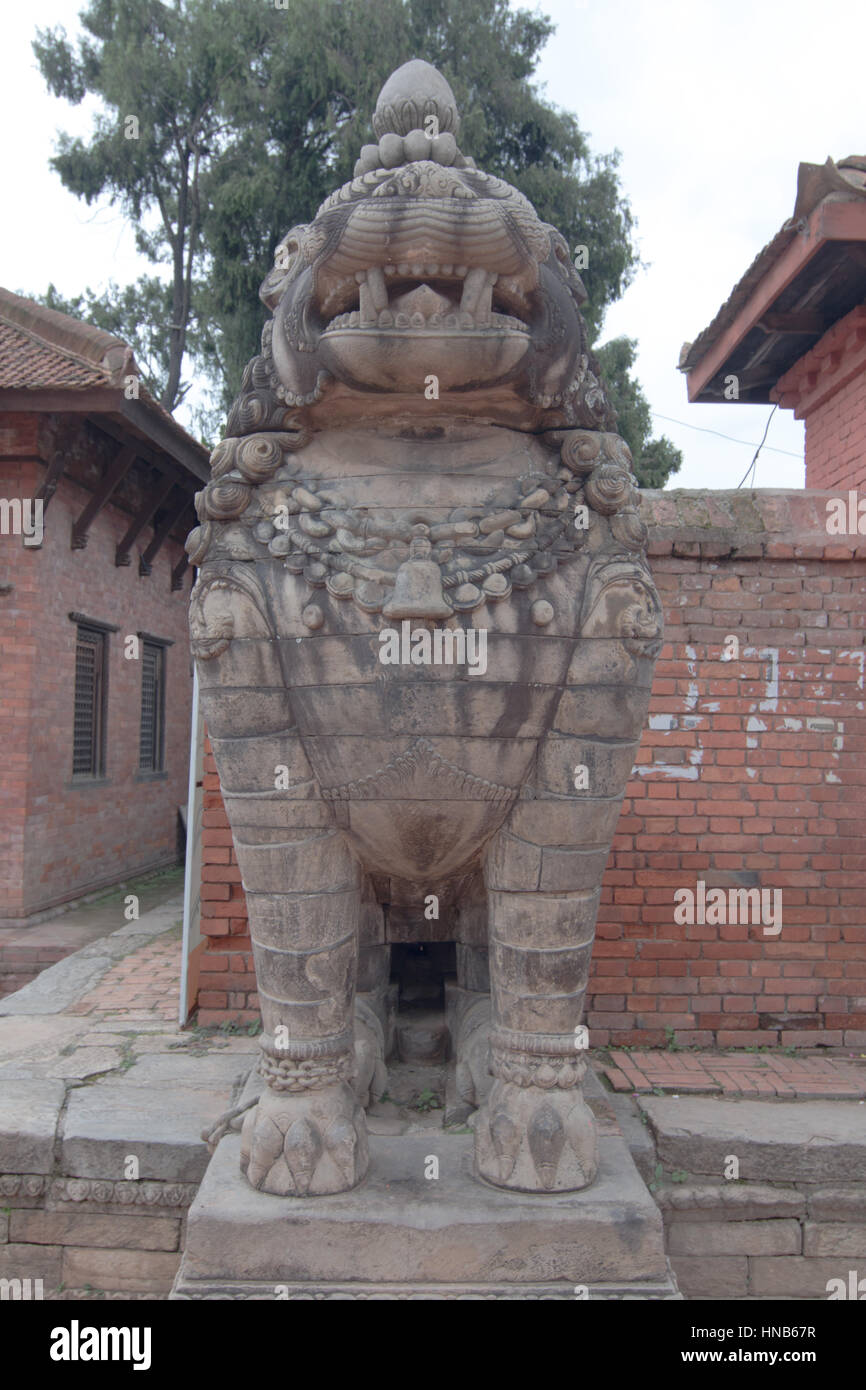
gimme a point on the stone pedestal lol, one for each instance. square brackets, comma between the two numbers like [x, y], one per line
[403, 1235]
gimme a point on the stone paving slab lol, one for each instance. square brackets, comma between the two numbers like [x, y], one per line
[159, 1125]
[774, 1141]
[93, 1066]
[737, 1074]
[29, 1112]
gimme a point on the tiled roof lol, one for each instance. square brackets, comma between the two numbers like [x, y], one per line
[815, 184]
[42, 349]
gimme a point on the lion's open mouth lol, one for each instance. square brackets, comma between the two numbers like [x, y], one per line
[438, 298]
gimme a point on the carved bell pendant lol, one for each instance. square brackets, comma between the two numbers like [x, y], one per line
[418, 586]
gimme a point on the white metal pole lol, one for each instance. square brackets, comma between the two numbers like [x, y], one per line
[190, 858]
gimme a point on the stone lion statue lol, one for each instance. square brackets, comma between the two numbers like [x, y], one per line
[425, 632]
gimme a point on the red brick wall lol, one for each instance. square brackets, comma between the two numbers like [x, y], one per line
[836, 439]
[227, 983]
[18, 643]
[827, 388]
[752, 773]
[68, 839]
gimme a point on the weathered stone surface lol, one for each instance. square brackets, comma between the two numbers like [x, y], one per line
[40, 1037]
[601, 710]
[151, 1271]
[250, 764]
[111, 1232]
[635, 1133]
[571, 870]
[795, 1276]
[714, 1238]
[160, 1126]
[466, 669]
[846, 1238]
[269, 710]
[61, 984]
[608, 766]
[544, 919]
[563, 823]
[77, 1065]
[803, 1141]
[31, 1262]
[729, 1201]
[422, 1039]
[29, 1112]
[403, 1228]
[212, 1072]
[710, 1276]
[838, 1203]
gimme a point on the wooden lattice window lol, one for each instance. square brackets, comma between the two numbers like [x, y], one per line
[91, 684]
[151, 743]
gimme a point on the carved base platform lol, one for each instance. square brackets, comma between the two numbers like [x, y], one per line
[400, 1234]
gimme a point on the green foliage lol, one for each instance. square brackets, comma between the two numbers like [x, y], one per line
[678, 1175]
[654, 459]
[427, 1100]
[160, 71]
[249, 115]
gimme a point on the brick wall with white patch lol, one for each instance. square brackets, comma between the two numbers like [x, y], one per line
[751, 776]
[748, 794]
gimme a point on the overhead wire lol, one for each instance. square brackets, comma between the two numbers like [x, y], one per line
[730, 437]
[752, 465]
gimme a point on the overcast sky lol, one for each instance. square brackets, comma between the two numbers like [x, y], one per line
[712, 104]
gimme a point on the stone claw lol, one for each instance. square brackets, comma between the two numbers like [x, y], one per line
[536, 1140]
[306, 1144]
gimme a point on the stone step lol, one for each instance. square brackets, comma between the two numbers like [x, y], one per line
[422, 1037]
[777, 1141]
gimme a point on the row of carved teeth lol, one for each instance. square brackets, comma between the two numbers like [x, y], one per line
[386, 319]
[376, 298]
[415, 270]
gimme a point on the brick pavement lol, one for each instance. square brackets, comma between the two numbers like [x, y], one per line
[762, 1074]
[144, 985]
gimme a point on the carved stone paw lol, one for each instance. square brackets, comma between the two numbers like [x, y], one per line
[536, 1140]
[473, 1077]
[370, 1080]
[305, 1145]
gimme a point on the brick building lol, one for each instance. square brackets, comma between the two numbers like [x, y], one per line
[793, 330]
[96, 690]
[751, 777]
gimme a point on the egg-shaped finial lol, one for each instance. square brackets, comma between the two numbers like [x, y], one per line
[412, 94]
